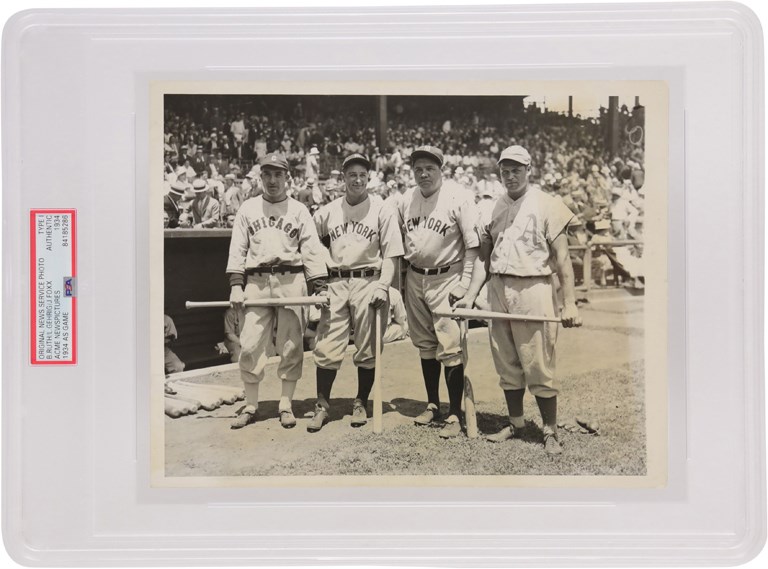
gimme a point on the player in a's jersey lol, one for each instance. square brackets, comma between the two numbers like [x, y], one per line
[363, 239]
[440, 230]
[524, 237]
[274, 253]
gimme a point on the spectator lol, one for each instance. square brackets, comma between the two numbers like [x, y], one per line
[172, 362]
[205, 208]
[233, 326]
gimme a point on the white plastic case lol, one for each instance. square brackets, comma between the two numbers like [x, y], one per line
[83, 465]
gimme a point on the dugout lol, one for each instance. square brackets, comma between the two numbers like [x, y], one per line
[195, 269]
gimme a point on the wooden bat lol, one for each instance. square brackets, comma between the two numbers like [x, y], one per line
[470, 417]
[488, 315]
[378, 426]
[287, 301]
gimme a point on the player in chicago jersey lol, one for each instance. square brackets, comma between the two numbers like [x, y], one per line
[274, 253]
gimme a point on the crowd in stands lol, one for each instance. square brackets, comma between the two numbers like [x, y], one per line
[211, 157]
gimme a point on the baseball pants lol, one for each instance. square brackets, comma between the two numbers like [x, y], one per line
[260, 322]
[436, 337]
[524, 352]
[348, 309]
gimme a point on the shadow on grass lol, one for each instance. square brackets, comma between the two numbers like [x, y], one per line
[340, 407]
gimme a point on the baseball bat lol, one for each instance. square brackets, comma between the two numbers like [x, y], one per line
[470, 416]
[377, 403]
[287, 301]
[489, 315]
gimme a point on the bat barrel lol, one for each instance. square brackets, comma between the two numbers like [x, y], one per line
[378, 411]
[471, 314]
[273, 302]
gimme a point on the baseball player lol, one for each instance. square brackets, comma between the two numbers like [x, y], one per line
[441, 239]
[274, 247]
[364, 239]
[524, 237]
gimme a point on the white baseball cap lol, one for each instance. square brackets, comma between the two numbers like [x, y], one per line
[515, 153]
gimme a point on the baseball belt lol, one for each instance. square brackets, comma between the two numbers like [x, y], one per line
[435, 271]
[275, 270]
[353, 273]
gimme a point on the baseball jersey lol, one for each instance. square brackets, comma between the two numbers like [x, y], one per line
[360, 235]
[522, 231]
[439, 229]
[283, 233]
[170, 328]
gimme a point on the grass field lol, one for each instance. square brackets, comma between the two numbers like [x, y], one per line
[602, 373]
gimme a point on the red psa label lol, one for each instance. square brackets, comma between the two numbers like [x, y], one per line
[53, 286]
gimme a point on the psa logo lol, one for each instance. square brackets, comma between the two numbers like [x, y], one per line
[69, 286]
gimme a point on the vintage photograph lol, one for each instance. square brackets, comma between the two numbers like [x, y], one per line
[409, 284]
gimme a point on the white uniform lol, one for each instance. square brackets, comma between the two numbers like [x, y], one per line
[437, 232]
[359, 237]
[275, 245]
[521, 233]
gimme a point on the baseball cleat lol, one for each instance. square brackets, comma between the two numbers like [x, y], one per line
[245, 416]
[505, 434]
[452, 428]
[320, 419]
[430, 415]
[359, 414]
[287, 419]
[551, 444]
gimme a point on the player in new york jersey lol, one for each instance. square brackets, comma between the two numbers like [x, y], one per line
[364, 239]
[274, 248]
[441, 239]
[525, 236]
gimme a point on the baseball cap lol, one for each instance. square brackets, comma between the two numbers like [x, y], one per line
[430, 152]
[199, 186]
[313, 151]
[274, 161]
[356, 158]
[515, 153]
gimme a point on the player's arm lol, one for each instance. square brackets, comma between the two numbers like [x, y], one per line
[380, 295]
[477, 280]
[238, 250]
[570, 314]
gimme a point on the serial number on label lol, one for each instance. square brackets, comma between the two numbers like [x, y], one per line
[53, 287]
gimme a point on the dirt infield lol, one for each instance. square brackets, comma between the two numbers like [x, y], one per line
[602, 373]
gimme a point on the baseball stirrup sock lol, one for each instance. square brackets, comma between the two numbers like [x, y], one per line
[286, 396]
[325, 378]
[364, 383]
[251, 393]
[514, 399]
[454, 377]
[548, 409]
[431, 371]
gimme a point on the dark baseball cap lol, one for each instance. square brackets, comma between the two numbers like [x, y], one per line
[430, 152]
[274, 160]
[356, 158]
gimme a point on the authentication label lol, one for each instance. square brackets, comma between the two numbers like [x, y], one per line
[53, 286]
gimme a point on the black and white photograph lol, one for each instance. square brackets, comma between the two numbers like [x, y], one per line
[421, 284]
